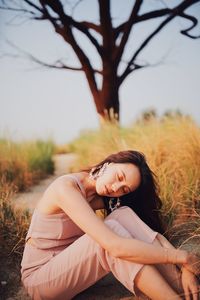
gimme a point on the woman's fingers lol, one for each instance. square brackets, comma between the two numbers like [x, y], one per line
[190, 285]
[186, 294]
[195, 292]
[192, 267]
[194, 289]
[194, 295]
[193, 263]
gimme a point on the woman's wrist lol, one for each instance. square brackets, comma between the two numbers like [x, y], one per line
[183, 257]
[175, 256]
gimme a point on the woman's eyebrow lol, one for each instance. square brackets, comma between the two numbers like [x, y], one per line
[124, 175]
[125, 179]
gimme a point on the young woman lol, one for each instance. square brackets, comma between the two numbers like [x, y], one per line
[68, 247]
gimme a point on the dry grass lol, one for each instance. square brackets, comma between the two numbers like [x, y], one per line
[171, 146]
[22, 164]
[13, 227]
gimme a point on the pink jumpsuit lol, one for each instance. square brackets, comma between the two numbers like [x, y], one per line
[65, 261]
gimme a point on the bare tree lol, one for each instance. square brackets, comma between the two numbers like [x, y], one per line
[110, 50]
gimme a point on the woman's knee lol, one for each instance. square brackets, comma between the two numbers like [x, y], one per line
[123, 216]
[120, 212]
[133, 224]
[117, 227]
[143, 271]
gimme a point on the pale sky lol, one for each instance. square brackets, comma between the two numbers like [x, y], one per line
[41, 103]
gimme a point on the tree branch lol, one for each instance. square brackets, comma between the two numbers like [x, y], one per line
[157, 13]
[68, 21]
[128, 70]
[194, 21]
[33, 5]
[90, 25]
[65, 31]
[17, 9]
[173, 13]
[136, 66]
[144, 17]
[86, 65]
[126, 32]
[58, 64]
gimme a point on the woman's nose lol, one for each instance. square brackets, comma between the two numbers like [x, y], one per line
[116, 186]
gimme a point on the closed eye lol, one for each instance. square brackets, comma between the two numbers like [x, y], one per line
[120, 177]
[125, 190]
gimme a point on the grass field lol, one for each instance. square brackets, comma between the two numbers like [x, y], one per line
[21, 165]
[171, 145]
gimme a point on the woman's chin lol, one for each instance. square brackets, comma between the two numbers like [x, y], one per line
[102, 192]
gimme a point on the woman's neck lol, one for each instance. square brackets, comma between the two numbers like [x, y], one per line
[89, 186]
[93, 198]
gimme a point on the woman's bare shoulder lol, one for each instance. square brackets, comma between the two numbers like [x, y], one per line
[48, 202]
[63, 179]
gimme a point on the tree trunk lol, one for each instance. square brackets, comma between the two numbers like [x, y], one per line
[107, 104]
[111, 47]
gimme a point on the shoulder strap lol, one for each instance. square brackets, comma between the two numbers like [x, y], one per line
[78, 182]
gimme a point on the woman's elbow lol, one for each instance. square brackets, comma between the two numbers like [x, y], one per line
[114, 252]
[113, 249]
[161, 239]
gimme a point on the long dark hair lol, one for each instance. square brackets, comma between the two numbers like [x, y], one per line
[144, 201]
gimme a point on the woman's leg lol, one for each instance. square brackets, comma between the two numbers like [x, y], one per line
[82, 264]
[150, 282]
[171, 273]
[79, 266]
[139, 230]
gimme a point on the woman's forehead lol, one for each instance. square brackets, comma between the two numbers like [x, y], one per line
[131, 173]
[126, 166]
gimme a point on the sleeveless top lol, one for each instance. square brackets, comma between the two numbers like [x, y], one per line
[54, 230]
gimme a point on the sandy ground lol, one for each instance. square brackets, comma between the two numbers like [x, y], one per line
[107, 288]
[28, 200]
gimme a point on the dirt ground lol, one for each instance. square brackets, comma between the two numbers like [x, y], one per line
[107, 288]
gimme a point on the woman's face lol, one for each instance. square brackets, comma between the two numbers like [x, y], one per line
[118, 179]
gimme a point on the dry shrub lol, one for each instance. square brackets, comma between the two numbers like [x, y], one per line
[171, 146]
[13, 228]
[13, 223]
[23, 164]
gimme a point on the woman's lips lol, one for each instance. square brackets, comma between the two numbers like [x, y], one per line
[107, 191]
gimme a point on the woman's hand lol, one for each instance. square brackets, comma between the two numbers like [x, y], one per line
[193, 263]
[190, 284]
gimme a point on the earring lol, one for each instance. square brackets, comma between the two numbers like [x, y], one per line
[99, 171]
[93, 176]
[103, 168]
[113, 206]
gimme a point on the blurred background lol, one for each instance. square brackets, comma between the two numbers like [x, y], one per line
[39, 102]
[144, 71]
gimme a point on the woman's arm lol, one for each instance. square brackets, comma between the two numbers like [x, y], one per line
[193, 261]
[189, 280]
[164, 242]
[70, 200]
